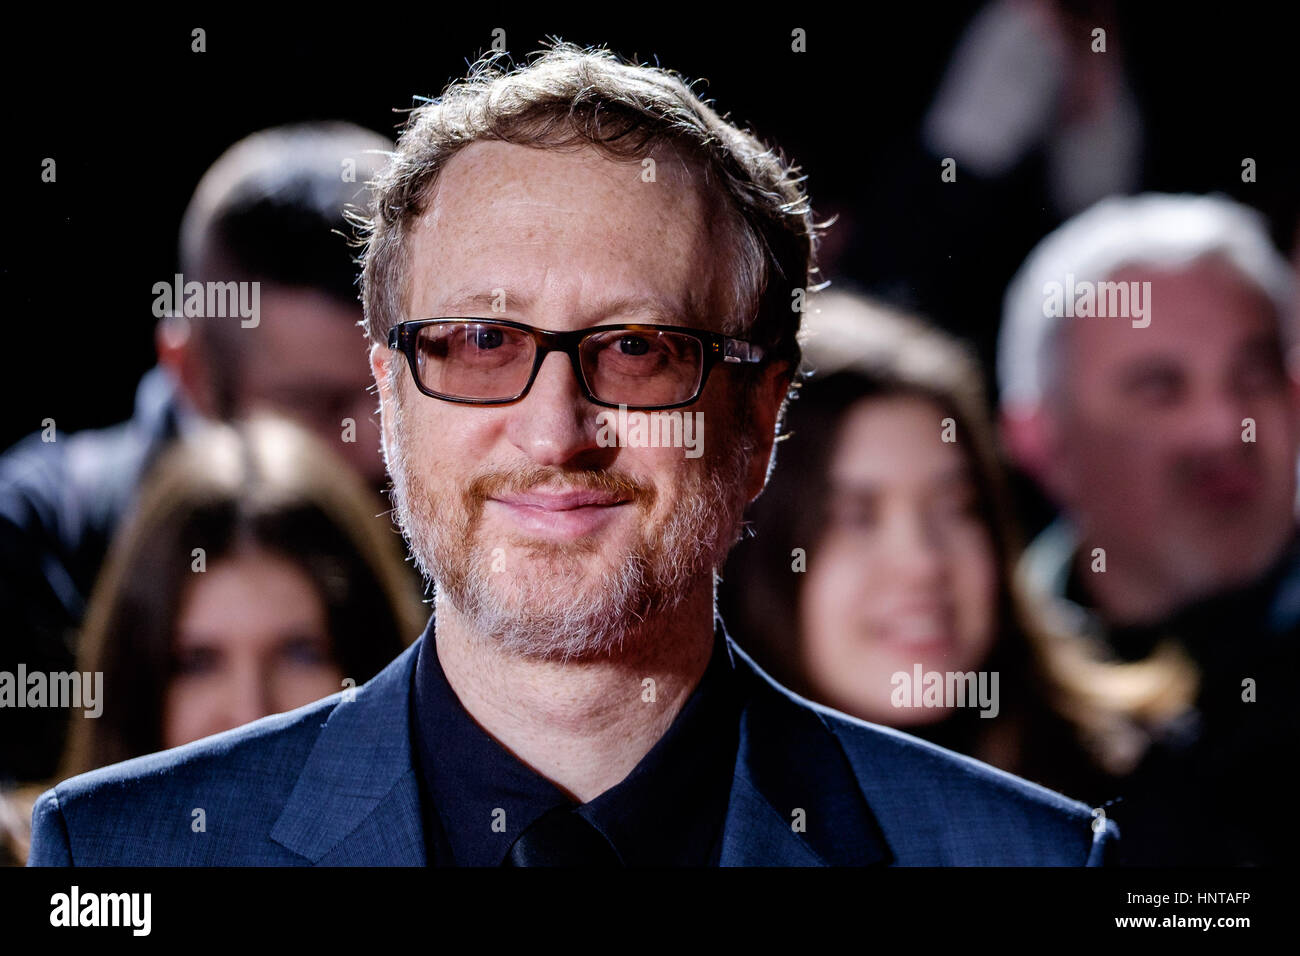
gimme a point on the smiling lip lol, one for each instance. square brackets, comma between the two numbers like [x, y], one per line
[925, 629]
[566, 515]
[1227, 487]
[562, 500]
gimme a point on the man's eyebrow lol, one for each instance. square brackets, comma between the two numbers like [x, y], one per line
[1125, 374]
[1265, 342]
[483, 301]
[660, 311]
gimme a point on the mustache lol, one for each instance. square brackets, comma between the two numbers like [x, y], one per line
[1192, 469]
[523, 479]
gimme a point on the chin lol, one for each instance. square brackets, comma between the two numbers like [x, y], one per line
[916, 717]
[1224, 569]
[882, 712]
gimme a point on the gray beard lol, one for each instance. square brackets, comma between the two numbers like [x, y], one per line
[554, 609]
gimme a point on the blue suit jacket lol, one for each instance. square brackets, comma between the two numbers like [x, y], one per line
[334, 783]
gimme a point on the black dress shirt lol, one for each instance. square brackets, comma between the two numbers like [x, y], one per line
[478, 797]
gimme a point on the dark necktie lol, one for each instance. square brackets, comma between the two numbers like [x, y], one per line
[560, 837]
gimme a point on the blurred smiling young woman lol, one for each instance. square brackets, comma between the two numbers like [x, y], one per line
[893, 493]
[252, 578]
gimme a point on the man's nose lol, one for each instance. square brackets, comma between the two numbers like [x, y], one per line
[1214, 419]
[554, 423]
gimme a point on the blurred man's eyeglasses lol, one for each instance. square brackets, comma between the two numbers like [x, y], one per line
[494, 362]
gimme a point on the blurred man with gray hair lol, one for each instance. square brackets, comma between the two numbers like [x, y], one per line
[1143, 365]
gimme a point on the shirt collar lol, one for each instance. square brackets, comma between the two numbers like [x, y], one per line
[1050, 570]
[1268, 605]
[668, 811]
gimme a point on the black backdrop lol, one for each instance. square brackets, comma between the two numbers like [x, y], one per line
[133, 117]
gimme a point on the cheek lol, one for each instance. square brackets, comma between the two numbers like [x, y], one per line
[1277, 437]
[975, 586]
[1118, 471]
[186, 708]
[440, 448]
[674, 479]
[833, 589]
[1092, 450]
[824, 631]
[297, 685]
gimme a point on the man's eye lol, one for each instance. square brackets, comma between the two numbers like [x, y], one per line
[488, 338]
[1157, 388]
[633, 345]
[1260, 375]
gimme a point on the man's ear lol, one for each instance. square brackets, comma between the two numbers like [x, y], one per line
[769, 396]
[380, 357]
[1031, 435]
[180, 353]
[1292, 362]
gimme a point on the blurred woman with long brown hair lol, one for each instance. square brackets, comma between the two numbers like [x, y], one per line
[884, 549]
[252, 578]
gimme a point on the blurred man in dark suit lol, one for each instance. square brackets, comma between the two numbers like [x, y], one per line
[578, 289]
[1146, 383]
[267, 215]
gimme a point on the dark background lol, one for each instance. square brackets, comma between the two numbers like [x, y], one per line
[133, 118]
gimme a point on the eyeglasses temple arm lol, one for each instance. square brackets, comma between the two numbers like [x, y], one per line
[734, 350]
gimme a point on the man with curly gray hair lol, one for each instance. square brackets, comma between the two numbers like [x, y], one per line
[570, 266]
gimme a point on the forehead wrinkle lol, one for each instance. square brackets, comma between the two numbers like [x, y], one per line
[703, 292]
[657, 309]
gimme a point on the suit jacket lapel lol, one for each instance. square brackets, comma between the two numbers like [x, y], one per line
[356, 802]
[795, 800]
